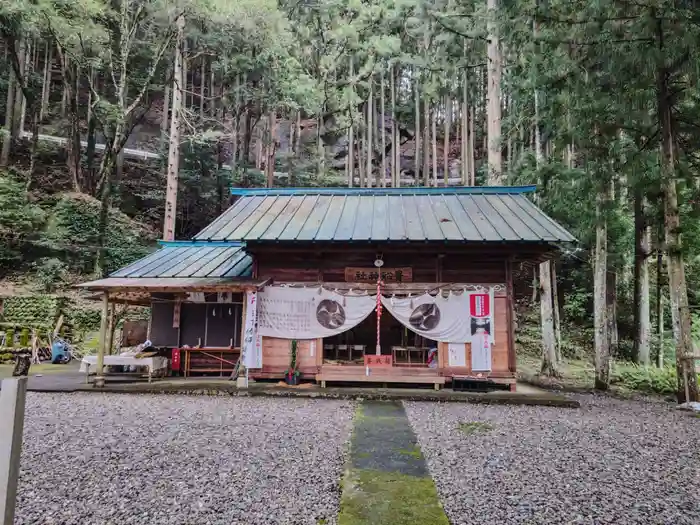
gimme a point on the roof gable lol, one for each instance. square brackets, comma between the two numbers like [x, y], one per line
[473, 214]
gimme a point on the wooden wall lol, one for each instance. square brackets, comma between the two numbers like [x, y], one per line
[430, 264]
[501, 364]
[276, 352]
[277, 356]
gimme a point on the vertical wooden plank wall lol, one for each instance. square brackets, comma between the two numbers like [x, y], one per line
[500, 352]
[277, 356]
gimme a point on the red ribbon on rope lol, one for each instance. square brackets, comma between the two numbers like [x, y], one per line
[379, 314]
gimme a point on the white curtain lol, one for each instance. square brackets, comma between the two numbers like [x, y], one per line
[438, 318]
[309, 313]
[252, 342]
[481, 352]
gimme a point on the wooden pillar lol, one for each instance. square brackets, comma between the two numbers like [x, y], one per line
[110, 331]
[510, 317]
[99, 377]
[12, 400]
[242, 382]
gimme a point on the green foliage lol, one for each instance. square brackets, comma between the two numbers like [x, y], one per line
[293, 369]
[73, 231]
[6, 357]
[83, 320]
[19, 219]
[649, 379]
[32, 311]
[51, 273]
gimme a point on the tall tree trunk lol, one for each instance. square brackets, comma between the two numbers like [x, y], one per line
[9, 115]
[434, 152]
[213, 105]
[236, 125]
[164, 120]
[27, 72]
[271, 147]
[118, 168]
[291, 150]
[361, 148]
[72, 87]
[660, 301]
[105, 170]
[89, 173]
[600, 309]
[493, 110]
[351, 133]
[297, 135]
[549, 343]
[557, 316]
[382, 127]
[186, 76]
[34, 145]
[64, 93]
[320, 148]
[351, 153]
[611, 302]
[465, 124]
[395, 161]
[20, 101]
[259, 131]
[46, 84]
[370, 104]
[549, 347]
[678, 291]
[446, 141]
[471, 152]
[642, 241]
[174, 140]
[416, 156]
[462, 134]
[202, 86]
[376, 139]
[426, 142]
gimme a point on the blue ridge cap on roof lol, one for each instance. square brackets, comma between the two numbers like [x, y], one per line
[450, 190]
[198, 242]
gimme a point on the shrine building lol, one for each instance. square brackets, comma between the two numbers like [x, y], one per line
[372, 286]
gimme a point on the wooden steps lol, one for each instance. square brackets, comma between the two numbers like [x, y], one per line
[388, 370]
[356, 374]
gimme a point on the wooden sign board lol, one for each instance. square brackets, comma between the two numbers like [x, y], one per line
[378, 360]
[370, 275]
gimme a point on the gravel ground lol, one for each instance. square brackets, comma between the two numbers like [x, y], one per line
[122, 459]
[612, 461]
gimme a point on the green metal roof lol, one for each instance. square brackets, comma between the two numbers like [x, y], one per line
[476, 214]
[191, 259]
[450, 190]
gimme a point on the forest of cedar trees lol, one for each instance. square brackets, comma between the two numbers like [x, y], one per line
[109, 107]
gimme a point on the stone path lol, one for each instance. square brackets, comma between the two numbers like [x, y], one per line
[387, 481]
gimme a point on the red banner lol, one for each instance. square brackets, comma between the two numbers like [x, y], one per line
[480, 305]
[378, 360]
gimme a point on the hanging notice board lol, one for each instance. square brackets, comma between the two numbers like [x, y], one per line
[370, 275]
